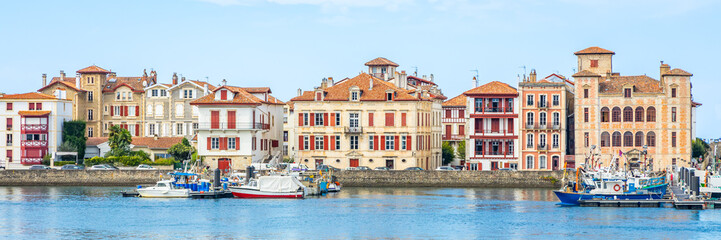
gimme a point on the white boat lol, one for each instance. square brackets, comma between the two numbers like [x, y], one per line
[164, 189]
[270, 187]
[333, 187]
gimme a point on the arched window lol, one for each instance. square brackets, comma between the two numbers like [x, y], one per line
[542, 118]
[542, 162]
[616, 114]
[529, 162]
[605, 139]
[605, 114]
[628, 139]
[639, 139]
[556, 120]
[651, 114]
[639, 114]
[616, 139]
[627, 114]
[529, 119]
[651, 139]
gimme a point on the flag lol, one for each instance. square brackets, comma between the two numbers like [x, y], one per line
[620, 154]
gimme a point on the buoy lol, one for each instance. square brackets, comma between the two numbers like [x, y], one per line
[617, 188]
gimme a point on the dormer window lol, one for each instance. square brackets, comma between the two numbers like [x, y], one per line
[627, 92]
[354, 95]
[389, 96]
[319, 96]
[223, 95]
[154, 93]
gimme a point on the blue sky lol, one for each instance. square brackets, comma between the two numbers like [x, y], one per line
[291, 44]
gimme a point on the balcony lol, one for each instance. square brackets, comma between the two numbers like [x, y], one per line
[452, 137]
[492, 131]
[33, 143]
[542, 104]
[543, 126]
[542, 147]
[556, 126]
[555, 146]
[30, 161]
[354, 130]
[34, 127]
[237, 126]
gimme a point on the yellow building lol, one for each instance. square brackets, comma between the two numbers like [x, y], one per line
[634, 119]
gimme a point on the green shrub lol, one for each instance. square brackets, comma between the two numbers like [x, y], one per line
[46, 160]
[161, 161]
[142, 154]
[96, 161]
[62, 163]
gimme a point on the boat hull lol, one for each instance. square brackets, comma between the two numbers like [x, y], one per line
[572, 198]
[254, 193]
[151, 193]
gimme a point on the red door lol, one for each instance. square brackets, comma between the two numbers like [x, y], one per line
[354, 162]
[461, 130]
[448, 131]
[224, 164]
[494, 125]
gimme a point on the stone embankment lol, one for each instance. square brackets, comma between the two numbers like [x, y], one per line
[504, 179]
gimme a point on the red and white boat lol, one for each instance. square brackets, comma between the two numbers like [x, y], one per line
[270, 187]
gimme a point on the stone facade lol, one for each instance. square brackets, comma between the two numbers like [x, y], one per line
[480, 179]
[168, 110]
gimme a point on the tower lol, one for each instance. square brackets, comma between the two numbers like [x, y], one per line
[596, 60]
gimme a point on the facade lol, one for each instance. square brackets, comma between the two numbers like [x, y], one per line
[375, 119]
[492, 137]
[33, 126]
[637, 120]
[156, 147]
[289, 123]
[454, 124]
[239, 126]
[168, 110]
[544, 106]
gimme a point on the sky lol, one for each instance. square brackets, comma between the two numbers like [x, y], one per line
[292, 44]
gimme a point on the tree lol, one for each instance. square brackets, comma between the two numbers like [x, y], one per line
[461, 150]
[74, 135]
[182, 150]
[698, 148]
[119, 141]
[447, 153]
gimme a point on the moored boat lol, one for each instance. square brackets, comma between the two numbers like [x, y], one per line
[164, 189]
[270, 187]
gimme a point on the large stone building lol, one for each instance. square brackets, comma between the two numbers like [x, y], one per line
[378, 119]
[545, 105]
[239, 126]
[492, 138]
[33, 126]
[634, 119]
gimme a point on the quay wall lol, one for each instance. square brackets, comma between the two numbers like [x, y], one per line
[79, 177]
[485, 179]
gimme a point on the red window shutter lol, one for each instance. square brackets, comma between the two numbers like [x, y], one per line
[208, 144]
[39, 106]
[461, 113]
[325, 142]
[409, 144]
[237, 143]
[112, 110]
[397, 142]
[312, 119]
[300, 142]
[231, 119]
[418, 119]
[428, 139]
[389, 119]
[375, 142]
[214, 119]
[462, 130]
[332, 143]
[223, 95]
[137, 129]
[332, 120]
[221, 144]
[325, 119]
[300, 119]
[510, 125]
[448, 113]
[403, 119]
[370, 119]
[312, 142]
[137, 110]
[126, 111]
[383, 144]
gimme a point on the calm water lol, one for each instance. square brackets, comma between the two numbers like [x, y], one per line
[407, 213]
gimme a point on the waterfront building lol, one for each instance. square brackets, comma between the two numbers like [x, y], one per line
[545, 105]
[454, 124]
[635, 119]
[239, 126]
[492, 140]
[289, 123]
[155, 147]
[375, 119]
[33, 126]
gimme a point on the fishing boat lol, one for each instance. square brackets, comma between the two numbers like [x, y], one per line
[270, 187]
[334, 187]
[586, 187]
[164, 189]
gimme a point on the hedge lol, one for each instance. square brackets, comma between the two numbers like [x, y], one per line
[120, 161]
[160, 161]
[62, 163]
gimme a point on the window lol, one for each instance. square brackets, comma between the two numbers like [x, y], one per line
[132, 111]
[90, 132]
[354, 96]
[556, 100]
[585, 114]
[31, 106]
[585, 93]
[337, 119]
[389, 96]
[90, 96]
[673, 92]
[179, 110]
[673, 114]
[151, 129]
[542, 162]
[651, 139]
[627, 114]
[628, 139]
[403, 142]
[556, 119]
[117, 96]
[616, 139]
[529, 162]
[337, 142]
[650, 114]
[390, 142]
[318, 119]
[306, 142]
[370, 142]
[448, 113]
[605, 139]
[673, 139]
[529, 140]
[187, 93]
[163, 93]
[594, 63]
[585, 139]
[306, 122]
[353, 119]
[542, 101]
[159, 110]
[318, 142]
[154, 92]
[179, 129]
[390, 119]
[627, 92]
[639, 139]
[478, 104]
[616, 114]
[542, 118]
[354, 142]
[9, 140]
[639, 114]
[542, 140]
[529, 118]
[9, 106]
[214, 143]
[555, 140]
[529, 100]
[9, 123]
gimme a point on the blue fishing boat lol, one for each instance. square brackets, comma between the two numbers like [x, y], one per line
[588, 188]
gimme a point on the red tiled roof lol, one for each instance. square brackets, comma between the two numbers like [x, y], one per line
[641, 83]
[94, 141]
[586, 73]
[457, 101]
[257, 89]
[156, 143]
[291, 105]
[381, 61]
[68, 82]
[695, 104]
[594, 50]
[201, 84]
[134, 83]
[677, 72]
[93, 69]
[30, 95]
[341, 90]
[494, 87]
[33, 113]
[241, 97]
[422, 80]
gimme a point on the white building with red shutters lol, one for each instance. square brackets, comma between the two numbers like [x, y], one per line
[492, 138]
[33, 126]
[239, 126]
[454, 124]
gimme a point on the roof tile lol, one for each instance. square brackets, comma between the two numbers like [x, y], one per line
[30, 95]
[381, 61]
[341, 90]
[93, 69]
[457, 101]
[594, 50]
[494, 87]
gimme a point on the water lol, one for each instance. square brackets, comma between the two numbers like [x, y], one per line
[375, 213]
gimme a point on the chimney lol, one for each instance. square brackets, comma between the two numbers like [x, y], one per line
[155, 137]
[45, 79]
[224, 82]
[182, 79]
[330, 80]
[533, 75]
[77, 79]
[145, 74]
[431, 77]
[300, 92]
[608, 76]
[113, 74]
[175, 79]
[664, 69]
[205, 88]
[324, 83]
[370, 85]
[62, 75]
[475, 82]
